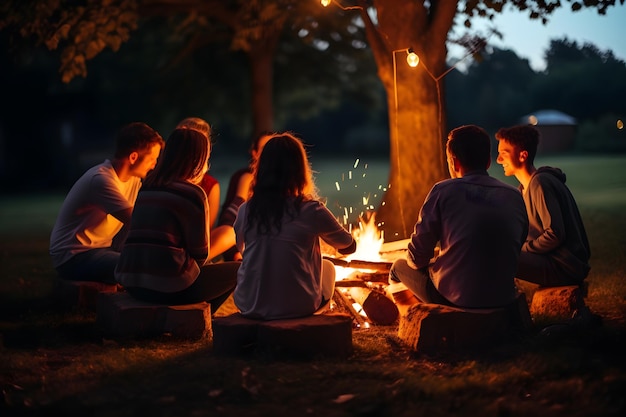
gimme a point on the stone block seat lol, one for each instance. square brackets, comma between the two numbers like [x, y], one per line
[551, 305]
[320, 334]
[433, 328]
[119, 315]
[83, 295]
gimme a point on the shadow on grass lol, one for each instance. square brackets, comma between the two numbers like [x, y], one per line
[50, 332]
[184, 378]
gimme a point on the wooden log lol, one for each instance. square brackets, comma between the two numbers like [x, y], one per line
[350, 283]
[119, 315]
[363, 277]
[305, 337]
[556, 304]
[378, 307]
[320, 334]
[360, 264]
[434, 328]
[395, 246]
[372, 276]
[361, 322]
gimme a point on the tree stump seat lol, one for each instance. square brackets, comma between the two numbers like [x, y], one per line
[433, 328]
[119, 315]
[557, 304]
[82, 295]
[320, 334]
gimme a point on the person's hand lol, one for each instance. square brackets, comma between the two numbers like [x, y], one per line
[348, 250]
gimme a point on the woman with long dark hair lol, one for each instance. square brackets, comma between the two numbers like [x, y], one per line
[165, 258]
[278, 233]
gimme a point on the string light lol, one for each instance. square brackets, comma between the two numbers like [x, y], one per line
[412, 58]
[413, 61]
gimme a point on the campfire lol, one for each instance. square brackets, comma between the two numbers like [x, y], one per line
[362, 277]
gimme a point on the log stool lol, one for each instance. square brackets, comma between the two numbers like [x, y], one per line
[431, 328]
[121, 316]
[321, 334]
[556, 304]
[79, 294]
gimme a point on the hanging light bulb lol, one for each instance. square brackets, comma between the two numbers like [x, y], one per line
[412, 58]
[325, 3]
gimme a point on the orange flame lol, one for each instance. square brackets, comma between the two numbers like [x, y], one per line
[369, 240]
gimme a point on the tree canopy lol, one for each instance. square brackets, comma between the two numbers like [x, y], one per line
[261, 35]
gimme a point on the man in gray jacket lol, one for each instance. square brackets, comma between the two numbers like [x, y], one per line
[556, 251]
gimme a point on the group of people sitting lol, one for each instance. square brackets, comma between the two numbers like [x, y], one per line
[144, 220]
[147, 219]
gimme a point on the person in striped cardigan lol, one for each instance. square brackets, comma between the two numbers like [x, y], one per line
[166, 256]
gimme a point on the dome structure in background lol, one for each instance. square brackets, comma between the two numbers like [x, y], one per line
[557, 130]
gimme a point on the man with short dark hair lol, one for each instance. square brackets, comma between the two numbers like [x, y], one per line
[99, 204]
[556, 251]
[479, 224]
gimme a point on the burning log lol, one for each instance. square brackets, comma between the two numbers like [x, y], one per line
[381, 277]
[351, 283]
[379, 308]
[359, 264]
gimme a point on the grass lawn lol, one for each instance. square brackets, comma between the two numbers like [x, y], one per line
[57, 362]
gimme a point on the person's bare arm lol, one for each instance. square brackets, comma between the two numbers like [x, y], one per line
[244, 186]
[214, 203]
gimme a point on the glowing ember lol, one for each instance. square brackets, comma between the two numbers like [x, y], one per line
[361, 223]
[353, 182]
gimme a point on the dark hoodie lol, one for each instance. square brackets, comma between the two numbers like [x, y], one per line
[555, 226]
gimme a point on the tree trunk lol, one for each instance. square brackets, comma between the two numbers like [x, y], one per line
[416, 156]
[261, 67]
[414, 97]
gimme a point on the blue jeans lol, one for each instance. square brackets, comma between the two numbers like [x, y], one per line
[541, 269]
[214, 285]
[93, 265]
[418, 281]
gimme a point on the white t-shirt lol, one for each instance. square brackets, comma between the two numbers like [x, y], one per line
[85, 221]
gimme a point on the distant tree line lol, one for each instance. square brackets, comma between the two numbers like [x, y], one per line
[579, 80]
[50, 131]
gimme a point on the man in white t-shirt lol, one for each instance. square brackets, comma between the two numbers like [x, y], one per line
[84, 243]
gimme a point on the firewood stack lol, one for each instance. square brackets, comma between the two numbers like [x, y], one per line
[365, 288]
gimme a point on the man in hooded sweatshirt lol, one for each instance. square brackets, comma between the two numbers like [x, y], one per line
[556, 251]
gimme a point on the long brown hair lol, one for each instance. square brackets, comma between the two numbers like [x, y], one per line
[184, 158]
[282, 181]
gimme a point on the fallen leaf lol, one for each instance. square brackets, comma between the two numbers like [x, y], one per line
[343, 398]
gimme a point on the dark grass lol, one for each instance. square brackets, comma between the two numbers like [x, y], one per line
[56, 362]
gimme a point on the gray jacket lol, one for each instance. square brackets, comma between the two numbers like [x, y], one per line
[555, 225]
